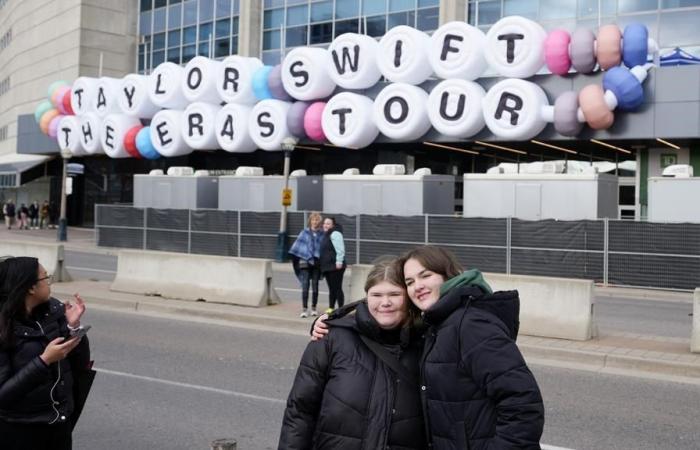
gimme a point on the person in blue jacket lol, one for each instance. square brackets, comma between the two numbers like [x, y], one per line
[306, 254]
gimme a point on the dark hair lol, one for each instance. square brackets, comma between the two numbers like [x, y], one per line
[17, 276]
[435, 259]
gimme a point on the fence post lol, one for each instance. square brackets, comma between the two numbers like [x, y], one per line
[189, 231]
[238, 236]
[509, 229]
[425, 226]
[357, 239]
[145, 226]
[606, 249]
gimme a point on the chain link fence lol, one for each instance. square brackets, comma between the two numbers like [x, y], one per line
[612, 252]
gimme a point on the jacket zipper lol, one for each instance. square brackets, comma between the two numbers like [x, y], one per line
[51, 397]
[429, 342]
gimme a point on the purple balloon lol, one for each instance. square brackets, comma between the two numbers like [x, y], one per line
[274, 84]
[295, 118]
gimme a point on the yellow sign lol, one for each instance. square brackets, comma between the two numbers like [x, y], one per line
[286, 197]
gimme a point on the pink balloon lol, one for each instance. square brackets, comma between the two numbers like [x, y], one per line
[57, 98]
[312, 121]
[53, 126]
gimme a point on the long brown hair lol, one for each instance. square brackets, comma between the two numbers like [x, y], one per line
[435, 259]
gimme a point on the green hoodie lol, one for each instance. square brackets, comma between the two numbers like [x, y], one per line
[469, 278]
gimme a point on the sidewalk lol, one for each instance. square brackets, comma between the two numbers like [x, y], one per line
[610, 352]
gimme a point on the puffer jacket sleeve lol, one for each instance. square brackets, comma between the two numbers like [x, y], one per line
[498, 367]
[304, 402]
[14, 386]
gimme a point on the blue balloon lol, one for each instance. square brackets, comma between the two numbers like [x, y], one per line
[635, 41]
[144, 144]
[625, 86]
[260, 86]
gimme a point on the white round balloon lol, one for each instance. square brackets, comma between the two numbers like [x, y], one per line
[68, 135]
[305, 73]
[90, 133]
[106, 96]
[114, 129]
[232, 132]
[400, 112]
[457, 51]
[403, 55]
[515, 47]
[347, 120]
[165, 86]
[234, 79]
[268, 124]
[166, 133]
[513, 109]
[354, 59]
[454, 108]
[133, 98]
[83, 93]
[198, 125]
[199, 80]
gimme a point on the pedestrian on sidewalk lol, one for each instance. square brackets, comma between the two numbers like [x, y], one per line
[476, 389]
[306, 252]
[8, 210]
[34, 215]
[358, 387]
[53, 215]
[44, 215]
[23, 215]
[39, 361]
[333, 261]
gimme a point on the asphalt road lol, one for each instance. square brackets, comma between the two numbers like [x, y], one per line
[172, 384]
[657, 317]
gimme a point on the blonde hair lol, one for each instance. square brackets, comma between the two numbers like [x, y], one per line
[314, 215]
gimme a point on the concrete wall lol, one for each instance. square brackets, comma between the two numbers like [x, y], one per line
[250, 31]
[49, 255]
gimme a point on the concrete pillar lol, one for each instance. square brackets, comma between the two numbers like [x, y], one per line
[695, 333]
[250, 28]
[451, 10]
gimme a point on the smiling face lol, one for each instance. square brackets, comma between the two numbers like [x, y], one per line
[387, 304]
[422, 285]
[327, 224]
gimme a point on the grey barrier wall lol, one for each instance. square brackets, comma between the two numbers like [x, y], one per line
[613, 252]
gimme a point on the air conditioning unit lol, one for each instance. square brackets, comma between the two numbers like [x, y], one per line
[389, 169]
[180, 171]
[298, 173]
[201, 173]
[497, 170]
[543, 167]
[248, 171]
[678, 171]
[423, 171]
[351, 171]
[156, 172]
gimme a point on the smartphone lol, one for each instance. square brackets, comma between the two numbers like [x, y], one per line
[80, 331]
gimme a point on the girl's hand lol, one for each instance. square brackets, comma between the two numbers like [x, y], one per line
[320, 328]
[74, 311]
[58, 349]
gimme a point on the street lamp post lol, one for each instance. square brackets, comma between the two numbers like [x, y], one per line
[62, 228]
[288, 145]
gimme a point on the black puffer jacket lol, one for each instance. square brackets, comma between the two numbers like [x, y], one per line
[31, 391]
[478, 393]
[345, 398]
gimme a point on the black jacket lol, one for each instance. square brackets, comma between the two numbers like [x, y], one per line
[31, 391]
[345, 398]
[328, 253]
[478, 393]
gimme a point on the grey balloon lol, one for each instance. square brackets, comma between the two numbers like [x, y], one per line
[565, 114]
[582, 50]
[274, 83]
[295, 118]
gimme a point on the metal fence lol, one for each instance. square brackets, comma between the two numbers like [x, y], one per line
[611, 252]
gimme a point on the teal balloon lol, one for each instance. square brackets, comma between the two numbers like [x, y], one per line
[55, 85]
[260, 86]
[41, 109]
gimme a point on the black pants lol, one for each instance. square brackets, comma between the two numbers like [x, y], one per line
[334, 278]
[310, 275]
[35, 436]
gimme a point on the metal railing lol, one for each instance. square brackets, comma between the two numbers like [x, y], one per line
[612, 252]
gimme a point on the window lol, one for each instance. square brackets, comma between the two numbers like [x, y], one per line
[3, 3]
[376, 26]
[679, 29]
[145, 23]
[174, 55]
[223, 28]
[6, 39]
[3, 133]
[346, 26]
[321, 33]
[223, 8]
[159, 41]
[557, 9]
[323, 11]
[347, 9]
[400, 5]
[628, 6]
[159, 20]
[373, 7]
[297, 15]
[679, 3]
[206, 10]
[175, 16]
[296, 36]
[146, 5]
[4, 86]
[428, 19]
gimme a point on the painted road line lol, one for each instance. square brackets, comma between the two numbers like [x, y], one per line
[552, 447]
[191, 386]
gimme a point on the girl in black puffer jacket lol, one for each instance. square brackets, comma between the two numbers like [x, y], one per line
[37, 359]
[344, 395]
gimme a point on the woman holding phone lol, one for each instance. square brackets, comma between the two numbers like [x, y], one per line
[357, 389]
[38, 359]
[476, 390]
